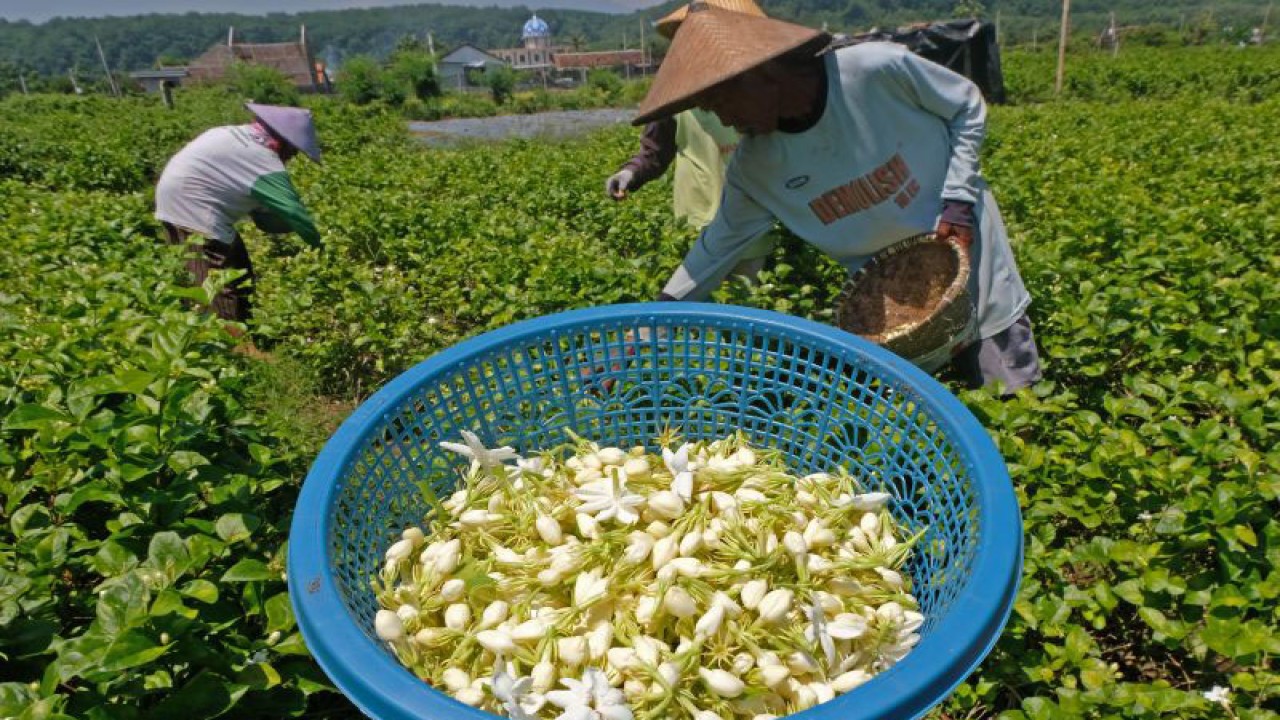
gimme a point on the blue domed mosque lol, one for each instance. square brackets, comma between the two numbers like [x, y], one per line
[536, 51]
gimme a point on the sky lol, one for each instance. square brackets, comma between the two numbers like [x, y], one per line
[41, 10]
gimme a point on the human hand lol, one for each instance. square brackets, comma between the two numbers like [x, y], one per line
[956, 222]
[962, 233]
[618, 183]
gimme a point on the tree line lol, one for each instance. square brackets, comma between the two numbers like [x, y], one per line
[67, 45]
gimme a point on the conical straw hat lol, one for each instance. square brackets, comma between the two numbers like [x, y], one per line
[668, 25]
[714, 45]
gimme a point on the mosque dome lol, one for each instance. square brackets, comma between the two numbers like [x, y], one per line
[536, 27]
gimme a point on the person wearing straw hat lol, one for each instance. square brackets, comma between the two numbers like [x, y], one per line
[853, 149]
[700, 147]
[228, 173]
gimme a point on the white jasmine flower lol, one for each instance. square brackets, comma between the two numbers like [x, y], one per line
[709, 624]
[612, 456]
[494, 614]
[456, 679]
[549, 530]
[457, 616]
[590, 698]
[847, 626]
[478, 453]
[679, 603]
[775, 605]
[572, 650]
[516, 694]
[637, 468]
[722, 682]
[452, 589]
[588, 587]
[666, 504]
[400, 550]
[388, 626]
[588, 526]
[665, 550]
[533, 465]
[869, 502]
[446, 560]
[892, 577]
[1218, 694]
[817, 631]
[850, 680]
[498, 642]
[639, 544]
[531, 630]
[753, 592]
[469, 696]
[681, 471]
[609, 498]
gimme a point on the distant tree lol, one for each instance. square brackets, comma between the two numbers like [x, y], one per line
[262, 84]
[360, 80]
[969, 8]
[606, 81]
[415, 71]
[501, 80]
[409, 43]
[577, 42]
[170, 60]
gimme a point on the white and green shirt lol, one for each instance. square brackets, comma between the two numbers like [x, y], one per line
[703, 150]
[899, 135]
[224, 175]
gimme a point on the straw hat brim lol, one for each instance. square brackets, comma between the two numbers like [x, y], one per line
[714, 45]
[668, 25]
[293, 125]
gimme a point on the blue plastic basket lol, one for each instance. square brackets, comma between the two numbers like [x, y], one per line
[824, 397]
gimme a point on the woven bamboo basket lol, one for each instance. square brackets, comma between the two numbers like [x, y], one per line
[912, 298]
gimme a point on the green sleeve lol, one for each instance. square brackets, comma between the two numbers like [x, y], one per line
[269, 222]
[277, 195]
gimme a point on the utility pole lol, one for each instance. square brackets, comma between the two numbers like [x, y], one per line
[22, 81]
[999, 37]
[1115, 36]
[644, 65]
[1062, 45]
[111, 80]
[74, 85]
[1262, 31]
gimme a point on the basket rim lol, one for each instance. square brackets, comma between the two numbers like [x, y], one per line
[384, 689]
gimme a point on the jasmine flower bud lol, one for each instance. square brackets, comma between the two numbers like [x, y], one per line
[388, 626]
[721, 682]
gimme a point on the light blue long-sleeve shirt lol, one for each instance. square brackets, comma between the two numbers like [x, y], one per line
[899, 135]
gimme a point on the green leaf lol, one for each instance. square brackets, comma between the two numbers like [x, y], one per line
[1245, 534]
[114, 559]
[1161, 624]
[122, 605]
[235, 526]
[34, 417]
[168, 554]
[279, 613]
[201, 590]
[183, 460]
[169, 602]
[248, 570]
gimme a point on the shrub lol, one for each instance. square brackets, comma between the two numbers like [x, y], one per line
[361, 80]
[415, 72]
[262, 84]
